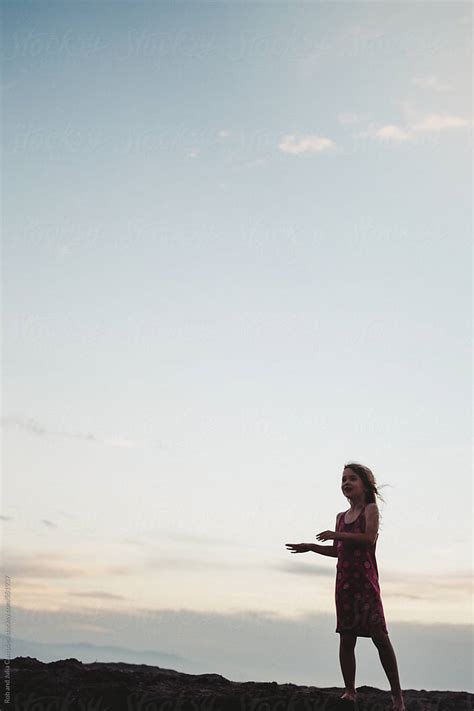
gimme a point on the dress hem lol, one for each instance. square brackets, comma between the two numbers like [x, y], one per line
[362, 634]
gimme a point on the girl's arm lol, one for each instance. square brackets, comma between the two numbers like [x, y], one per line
[331, 551]
[324, 550]
[305, 547]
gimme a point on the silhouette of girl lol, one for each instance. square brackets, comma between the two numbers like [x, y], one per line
[359, 607]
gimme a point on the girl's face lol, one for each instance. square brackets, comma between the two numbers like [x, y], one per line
[352, 485]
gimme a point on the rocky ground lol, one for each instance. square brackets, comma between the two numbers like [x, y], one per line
[70, 685]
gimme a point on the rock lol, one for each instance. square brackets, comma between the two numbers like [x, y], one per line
[70, 685]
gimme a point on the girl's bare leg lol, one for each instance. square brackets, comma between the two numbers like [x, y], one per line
[348, 664]
[389, 663]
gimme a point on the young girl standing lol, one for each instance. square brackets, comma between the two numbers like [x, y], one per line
[359, 608]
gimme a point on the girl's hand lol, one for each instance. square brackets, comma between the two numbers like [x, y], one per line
[298, 547]
[325, 536]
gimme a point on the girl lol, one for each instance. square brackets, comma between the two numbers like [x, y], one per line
[359, 608]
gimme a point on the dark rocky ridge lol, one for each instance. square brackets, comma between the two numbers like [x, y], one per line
[70, 685]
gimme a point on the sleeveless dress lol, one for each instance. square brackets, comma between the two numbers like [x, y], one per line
[359, 606]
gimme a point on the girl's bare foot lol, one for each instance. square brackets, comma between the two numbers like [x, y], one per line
[349, 696]
[397, 702]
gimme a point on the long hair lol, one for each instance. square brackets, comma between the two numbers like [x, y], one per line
[368, 480]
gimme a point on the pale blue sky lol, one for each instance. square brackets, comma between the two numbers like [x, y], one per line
[236, 255]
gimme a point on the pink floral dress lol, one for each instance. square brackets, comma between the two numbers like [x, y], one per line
[359, 606]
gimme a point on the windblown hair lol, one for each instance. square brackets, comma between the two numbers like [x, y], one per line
[368, 479]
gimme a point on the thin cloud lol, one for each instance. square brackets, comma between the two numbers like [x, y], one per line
[131, 542]
[305, 144]
[120, 570]
[164, 562]
[223, 134]
[347, 118]
[455, 583]
[33, 427]
[439, 122]
[387, 133]
[392, 132]
[6, 518]
[25, 424]
[35, 566]
[303, 569]
[96, 594]
[198, 539]
[426, 586]
[430, 123]
[396, 583]
[430, 82]
[44, 570]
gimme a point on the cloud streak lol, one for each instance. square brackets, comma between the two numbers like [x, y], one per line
[98, 595]
[429, 123]
[49, 524]
[197, 539]
[33, 427]
[439, 122]
[43, 569]
[305, 144]
[296, 568]
[37, 566]
[392, 133]
[172, 562]
[347, 118]
[430, 82]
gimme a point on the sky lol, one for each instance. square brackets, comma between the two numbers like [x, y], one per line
[236, 256]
